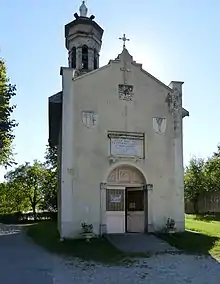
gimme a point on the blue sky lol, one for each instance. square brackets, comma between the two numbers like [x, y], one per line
[174, 40]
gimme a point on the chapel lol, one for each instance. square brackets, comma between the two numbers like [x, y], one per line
[119, 135]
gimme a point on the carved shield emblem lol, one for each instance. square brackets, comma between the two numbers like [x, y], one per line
[89, 118]
[126, 92]
[159, 124]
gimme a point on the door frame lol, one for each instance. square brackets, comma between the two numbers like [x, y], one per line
[126, 209]
[141, 188]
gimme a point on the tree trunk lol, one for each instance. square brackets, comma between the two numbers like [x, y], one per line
[34, 211]
[196, 206]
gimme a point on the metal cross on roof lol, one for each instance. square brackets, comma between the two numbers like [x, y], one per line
[124, 39]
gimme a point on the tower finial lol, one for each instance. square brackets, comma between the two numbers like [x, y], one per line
[83, 10]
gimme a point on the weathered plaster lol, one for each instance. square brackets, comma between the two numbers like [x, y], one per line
[88, 147]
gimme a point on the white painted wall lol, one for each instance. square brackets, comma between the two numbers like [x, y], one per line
[85, 151]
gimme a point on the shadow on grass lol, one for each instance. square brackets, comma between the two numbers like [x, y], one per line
[191, 242]
[208, 217]
[99, 249]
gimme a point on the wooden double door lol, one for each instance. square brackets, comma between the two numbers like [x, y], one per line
[135, 210]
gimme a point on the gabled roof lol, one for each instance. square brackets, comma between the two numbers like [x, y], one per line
[55, 101]
[91, 72]
[125, 56]
[152, 77]
[117, 60]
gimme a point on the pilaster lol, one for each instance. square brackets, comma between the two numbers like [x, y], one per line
[67, 156]
[97, 59]
[90, 59]
[176, 109]
[103, 228]
[79, 58]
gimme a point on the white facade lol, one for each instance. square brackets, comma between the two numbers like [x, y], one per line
[121, 150]
[92, 112]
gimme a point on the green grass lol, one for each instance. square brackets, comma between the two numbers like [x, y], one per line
[202, 235]
[206, 226]
[99, 249]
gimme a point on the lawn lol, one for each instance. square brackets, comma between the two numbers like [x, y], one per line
[99, 250]
[202, 235]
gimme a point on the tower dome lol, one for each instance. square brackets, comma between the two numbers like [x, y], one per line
[83, 41]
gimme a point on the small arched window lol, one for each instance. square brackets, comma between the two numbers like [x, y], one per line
[85, 57]
[73, 58]
[95, 59]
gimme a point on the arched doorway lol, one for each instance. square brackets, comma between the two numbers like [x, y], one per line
[126, 200]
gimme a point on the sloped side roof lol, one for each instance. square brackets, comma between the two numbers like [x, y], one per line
[55, 118]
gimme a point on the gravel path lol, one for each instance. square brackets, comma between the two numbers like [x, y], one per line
[22, 262]
[161, 269]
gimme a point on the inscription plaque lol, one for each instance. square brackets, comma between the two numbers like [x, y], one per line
[127, 145]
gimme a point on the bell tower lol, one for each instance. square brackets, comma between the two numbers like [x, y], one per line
[83, 41]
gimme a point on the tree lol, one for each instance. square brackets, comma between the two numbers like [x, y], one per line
[195, 181]
[217, 154]
[19, 200]
[12, 200]
[51, 180]
[30, 181]
[6, 205]
[50, 191]
[7, 124]
[51, 157]
[212, 170]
